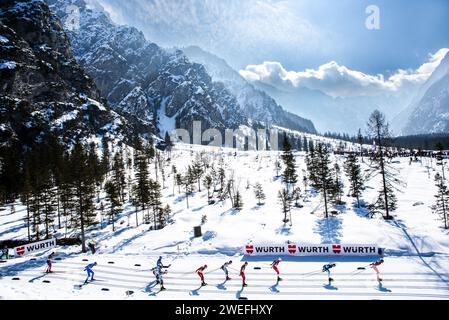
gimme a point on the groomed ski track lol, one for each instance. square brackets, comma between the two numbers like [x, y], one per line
[116, 278]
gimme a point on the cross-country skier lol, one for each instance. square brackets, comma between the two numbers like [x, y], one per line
[374, 265]
[158, 275]
[328, 267]
[224, 267]
[160, 265]
[88, 268]
[200, 271]
[274, 265]
[242, 274]
[49, 263]
[5, 253]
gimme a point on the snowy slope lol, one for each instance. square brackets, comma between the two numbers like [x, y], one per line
[417, 249]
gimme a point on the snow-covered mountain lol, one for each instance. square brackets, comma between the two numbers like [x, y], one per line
[43, 88]
[256, 104]
[142, 79]
[429, 110]
[163, 87]
[341, 114]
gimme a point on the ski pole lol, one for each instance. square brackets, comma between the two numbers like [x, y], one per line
[212, 270]
[257, 268]
[361, 268]
[305, 275]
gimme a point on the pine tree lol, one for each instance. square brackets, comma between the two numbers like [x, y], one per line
[10, 173]
[105, 158]
[141, 189]
[442, 199]
[115, 204]
[197, 170]
[164, 216]
[305, 144]
[48, 197]
[155, 200]
[320, 172]
[169, 144]
[83, 180]
[258, 192]
[207, 181]
[94, 165]
[221, 177]
[336, 190]
[119, 176]
[25, 199]
[238, 203]
[354, 173]
[305, 180]
[289, 175]
[179, 181]
[174, 172]
[311, 146]
[188, 182]
[285, 200]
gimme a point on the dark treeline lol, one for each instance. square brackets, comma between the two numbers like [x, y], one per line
[60, 185]
[54, 183]
[422, 142]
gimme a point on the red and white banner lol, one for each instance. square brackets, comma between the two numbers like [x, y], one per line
[304, 249]
[34, 247]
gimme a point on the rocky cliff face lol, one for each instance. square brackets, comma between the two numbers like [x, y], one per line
[255, 104]
[431, 115]
[429, 110]
[140, 78]
[43, 88]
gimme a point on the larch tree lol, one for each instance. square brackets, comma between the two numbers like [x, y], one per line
[378, 129]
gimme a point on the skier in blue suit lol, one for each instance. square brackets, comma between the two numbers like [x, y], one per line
[328, 267]
[88, 268]
[160, 265]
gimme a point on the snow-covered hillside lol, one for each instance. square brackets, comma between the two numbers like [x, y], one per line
[416, 247]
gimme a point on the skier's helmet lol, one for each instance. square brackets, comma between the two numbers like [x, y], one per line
[280, 259]
[230, 261]
[205, 266]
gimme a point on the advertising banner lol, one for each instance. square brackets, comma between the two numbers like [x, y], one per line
[34, 247]
[305, 249]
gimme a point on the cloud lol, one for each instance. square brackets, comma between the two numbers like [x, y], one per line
[240, 31]
[339, 81]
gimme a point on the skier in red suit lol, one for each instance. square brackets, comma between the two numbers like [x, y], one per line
[274, 265]
[200, 271]
[242, 273]
[374, 265]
